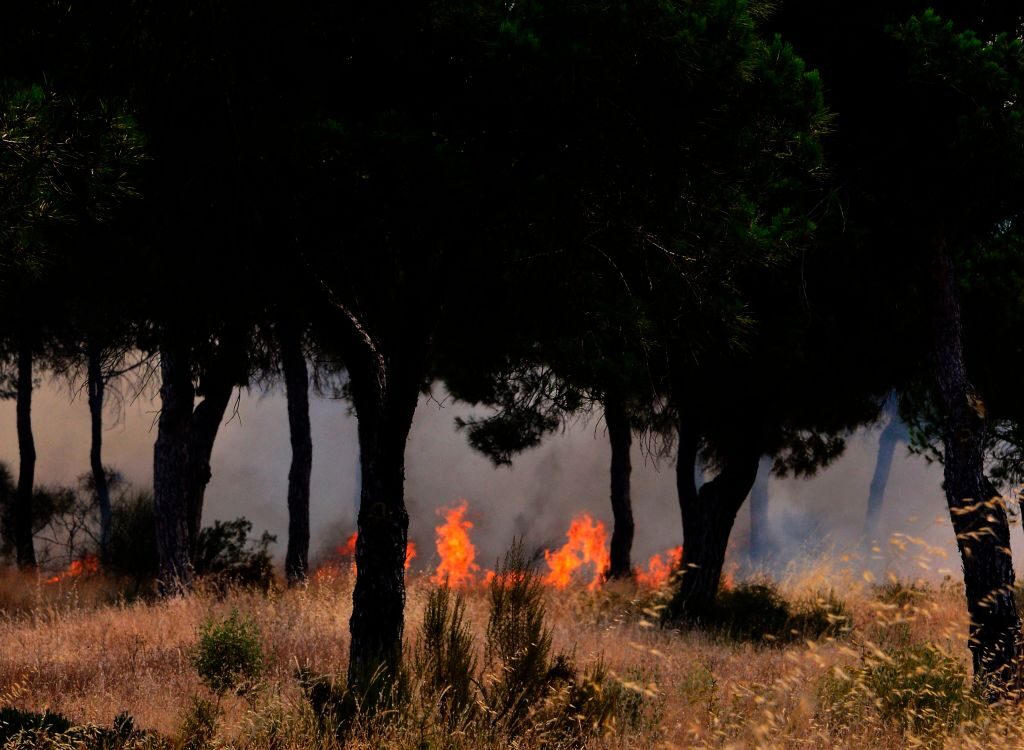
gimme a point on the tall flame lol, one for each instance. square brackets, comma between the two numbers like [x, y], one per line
[660, 568]
[457, 567]
[587, 545]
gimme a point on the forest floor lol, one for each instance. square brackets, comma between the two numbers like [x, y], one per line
[893, 673]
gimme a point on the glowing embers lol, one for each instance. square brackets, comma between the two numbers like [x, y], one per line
[88, 565]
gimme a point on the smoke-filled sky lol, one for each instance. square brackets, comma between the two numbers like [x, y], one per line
[535, 499]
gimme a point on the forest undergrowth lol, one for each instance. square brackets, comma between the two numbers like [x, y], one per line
[820, 658]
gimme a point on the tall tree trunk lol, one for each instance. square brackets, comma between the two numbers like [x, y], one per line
[24, 548]
[385, 401]
[96, 387]
[620, 435]
[762, 545]
[296, 378]
[888, 441]
[170, 467]
[708, 517]
[204, 426]
[976, 510]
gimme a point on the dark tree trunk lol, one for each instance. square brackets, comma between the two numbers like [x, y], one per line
[384, 400]
[888, 441]
[170, 467]
[22, 517]
[96, 387]
[204, 425]
[762, 545]
[976, 510]
[296, 378]
[620, 435]
[708, 517]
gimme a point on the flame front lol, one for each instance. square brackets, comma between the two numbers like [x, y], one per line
[457, 567]
[660, 568]
[90, 564]
[587, 545]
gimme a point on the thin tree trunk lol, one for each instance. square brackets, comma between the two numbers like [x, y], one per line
[170, 467]
[762, 545]
[204, 426]
[22, 516]
[888, 441]
[708, 517]
[976, 510]
[384, 403]
[96, 387]
[620, 435]
[296, 378]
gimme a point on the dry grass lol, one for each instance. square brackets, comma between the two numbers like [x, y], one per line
[75, 649]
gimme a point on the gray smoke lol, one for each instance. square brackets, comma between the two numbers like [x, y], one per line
[535, 499]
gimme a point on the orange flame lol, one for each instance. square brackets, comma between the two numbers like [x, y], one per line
[587, 545]
[728, 582]
[90, 564]
[457, 567]
[660, 568]
[329, 571]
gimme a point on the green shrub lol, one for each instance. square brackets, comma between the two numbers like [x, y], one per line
[229, 654]
[198, 726]
[919, 688]
[445, 656]
[824, 616]
[752, 611]
[226, 556]
[518, 643]
[900, 594]
[26, 725]
[132, 550]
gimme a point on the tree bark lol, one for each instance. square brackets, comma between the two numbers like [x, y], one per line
[708, 517]
[888, 441]
[96, 387]
[976, 510]
[22, 517]
[762, 545]
[204, 425]
[620, 435]
[296, 378]
[170, 467]
[385, 400]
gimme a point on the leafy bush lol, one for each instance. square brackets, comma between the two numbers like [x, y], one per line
[751, 611]
[445, 656]
[920, 688]
[900, 594]
[756, 611]
[229, 654]
[198, 725]
[133, 538]
[226, 556]
[28, 730]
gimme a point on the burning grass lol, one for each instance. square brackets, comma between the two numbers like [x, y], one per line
[882, 668]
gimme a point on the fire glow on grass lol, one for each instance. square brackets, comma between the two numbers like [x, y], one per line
[584, 558]
[89, 564]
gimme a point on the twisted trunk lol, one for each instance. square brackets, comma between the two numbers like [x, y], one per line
[204, 424]
[976, 510]
[708, 517]
[22, 516]
[170, 467]
[620, 435]
[96, 387]
[296, 378]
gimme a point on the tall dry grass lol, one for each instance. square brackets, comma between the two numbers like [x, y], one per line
[894, 676]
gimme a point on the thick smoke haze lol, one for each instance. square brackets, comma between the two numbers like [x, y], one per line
[535, 499]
